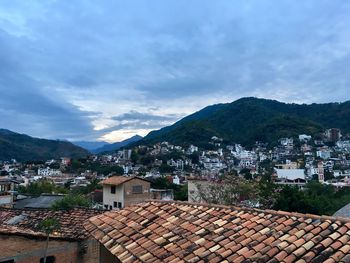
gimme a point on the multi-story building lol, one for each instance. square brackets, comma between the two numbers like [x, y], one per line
[332, 135]
[121, 191]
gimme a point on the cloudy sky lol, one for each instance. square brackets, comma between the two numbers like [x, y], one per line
[109, 69]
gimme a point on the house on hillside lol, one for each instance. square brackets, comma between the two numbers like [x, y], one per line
[22, 241]
[295, 177]
[7, 188]
[121, 191]
[188, 232]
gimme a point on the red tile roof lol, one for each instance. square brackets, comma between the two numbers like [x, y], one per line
[158, 231]
[26, 222]
[117, 180]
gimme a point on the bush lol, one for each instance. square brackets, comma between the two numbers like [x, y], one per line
[70, 201]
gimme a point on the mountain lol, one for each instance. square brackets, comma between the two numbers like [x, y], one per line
[117, 145]
[251, 119]
[23, 147]
[90, 145]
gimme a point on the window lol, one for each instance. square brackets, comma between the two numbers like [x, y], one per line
[117, 204]
[8, 261]
[113, 189]
[49, 259]
[137, 189]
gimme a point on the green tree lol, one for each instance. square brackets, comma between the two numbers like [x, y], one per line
[41, 186]
[165, 168]
[70, 201]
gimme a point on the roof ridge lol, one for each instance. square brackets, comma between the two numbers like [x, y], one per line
[244, 208]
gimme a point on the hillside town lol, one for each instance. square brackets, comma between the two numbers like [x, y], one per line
[123, 182]
[292, 161]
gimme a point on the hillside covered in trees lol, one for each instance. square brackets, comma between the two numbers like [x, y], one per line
[23, 147]
[248, 120]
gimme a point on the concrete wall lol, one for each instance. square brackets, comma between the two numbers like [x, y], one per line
[29, 250]
[107, 256]
[132, 198]
[193, 192]
[109, 198]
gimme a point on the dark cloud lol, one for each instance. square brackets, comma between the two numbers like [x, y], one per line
[138, 120]
[66, 66]
[140, 116]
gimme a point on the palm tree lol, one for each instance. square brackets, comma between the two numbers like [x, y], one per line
[48, 226]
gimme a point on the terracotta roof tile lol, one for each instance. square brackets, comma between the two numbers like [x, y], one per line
[117, 180]
[158, 231]
[26, 222]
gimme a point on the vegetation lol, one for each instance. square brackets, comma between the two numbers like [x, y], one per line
[84, 190]
[42, 186]
[249, 120]
[230, 190]
[180, 191]
[81, 165]
[316, 198]
[70, 201]
[23, 148]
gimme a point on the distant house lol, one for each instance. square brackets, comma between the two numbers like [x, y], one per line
[7, 187]
[121, 191]
[290, 177]
[162, 194]
[22, 241]
[304, 138]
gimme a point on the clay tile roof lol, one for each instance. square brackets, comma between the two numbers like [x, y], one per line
[159, 231]
[117, 180]
[25, 222]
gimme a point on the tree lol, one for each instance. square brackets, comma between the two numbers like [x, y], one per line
[165, 168]
[180, 191]
[230, 190]
[41, 186]
[194, 158]
[70, 201]
[48, 226]
[246, 174]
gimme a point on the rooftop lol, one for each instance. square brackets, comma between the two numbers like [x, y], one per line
[158, 231]
[43, 201]
[117, 180]
[290, 174]
[26, 222]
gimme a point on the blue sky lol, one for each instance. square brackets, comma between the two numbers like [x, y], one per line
[108, 69]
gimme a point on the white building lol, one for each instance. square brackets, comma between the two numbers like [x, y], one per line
[45, 172]
[304, 137]
[290, 177]
[324, 153]
[192, 149]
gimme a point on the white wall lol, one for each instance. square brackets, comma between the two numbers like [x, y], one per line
[109, 199]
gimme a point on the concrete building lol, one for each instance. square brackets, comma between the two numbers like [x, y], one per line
[121, 191]
[7, 187]
[333, 134]
[290, 177]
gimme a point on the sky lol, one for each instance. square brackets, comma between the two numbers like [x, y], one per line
[109, 69]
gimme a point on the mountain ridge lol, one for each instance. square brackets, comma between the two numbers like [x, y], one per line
[23, 147]
[117, 145]
[251, 119]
